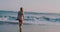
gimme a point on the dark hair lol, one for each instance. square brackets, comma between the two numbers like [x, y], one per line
[21, 9]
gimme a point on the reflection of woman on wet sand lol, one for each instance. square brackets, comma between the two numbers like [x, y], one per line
[20, 18]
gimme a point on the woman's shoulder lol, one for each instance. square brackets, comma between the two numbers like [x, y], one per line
[19, 11]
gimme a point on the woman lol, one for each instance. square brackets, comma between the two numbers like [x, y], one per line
[20, 18]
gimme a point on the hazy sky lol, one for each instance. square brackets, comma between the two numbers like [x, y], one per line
[52, 6]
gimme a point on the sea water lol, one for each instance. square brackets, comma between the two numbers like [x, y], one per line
[8, 22]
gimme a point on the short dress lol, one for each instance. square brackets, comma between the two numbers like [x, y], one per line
[20, 17]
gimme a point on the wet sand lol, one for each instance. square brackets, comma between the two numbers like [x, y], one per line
[41, 28]
[30, 28]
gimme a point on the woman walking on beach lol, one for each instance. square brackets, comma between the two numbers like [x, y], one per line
[20, 18]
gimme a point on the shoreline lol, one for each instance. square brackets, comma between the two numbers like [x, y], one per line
[30, 28]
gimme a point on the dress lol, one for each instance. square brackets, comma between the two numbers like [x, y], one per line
[20, 17]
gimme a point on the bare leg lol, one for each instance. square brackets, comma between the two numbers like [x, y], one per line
[20, 25]
[20, 28]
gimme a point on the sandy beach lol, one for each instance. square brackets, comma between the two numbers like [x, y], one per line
[41, 28]
[29, 28]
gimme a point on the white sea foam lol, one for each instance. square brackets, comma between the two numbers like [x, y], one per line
[32, 18]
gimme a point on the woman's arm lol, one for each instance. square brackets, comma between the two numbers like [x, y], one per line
[23, 15]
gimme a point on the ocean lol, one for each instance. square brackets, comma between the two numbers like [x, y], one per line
[8, 22]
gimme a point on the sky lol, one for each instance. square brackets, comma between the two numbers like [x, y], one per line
[48, 6]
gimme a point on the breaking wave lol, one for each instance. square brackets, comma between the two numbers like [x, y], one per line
[30, 18]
